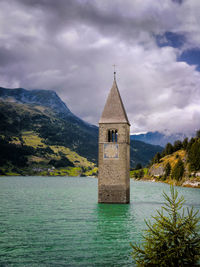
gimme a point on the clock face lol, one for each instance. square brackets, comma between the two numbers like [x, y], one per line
[111, 151]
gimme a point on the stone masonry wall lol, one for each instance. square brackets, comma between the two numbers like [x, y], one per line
[113, 178]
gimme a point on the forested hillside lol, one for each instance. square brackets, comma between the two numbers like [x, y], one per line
[33, 139]
[179, 162]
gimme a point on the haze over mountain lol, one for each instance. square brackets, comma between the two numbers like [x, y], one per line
[157, 138]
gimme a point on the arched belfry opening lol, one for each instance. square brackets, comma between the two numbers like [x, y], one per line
[112, 136]
[114, 151]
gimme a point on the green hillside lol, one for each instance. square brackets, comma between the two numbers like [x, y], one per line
[16, 118]
[29, 155]
[24, 150]
[178, 164]
[142, 153]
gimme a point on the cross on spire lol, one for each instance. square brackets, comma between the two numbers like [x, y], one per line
[114, 71]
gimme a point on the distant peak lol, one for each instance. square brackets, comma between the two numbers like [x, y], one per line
[48, 98]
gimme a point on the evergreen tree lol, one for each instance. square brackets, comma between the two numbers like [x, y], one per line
[185, 143]
[194, 156]
[173, 239]
[167, 170]
[157, 158]
[141, 173]
[163, 154]
[198, 134]
[138, 166]
[169, 149]
[178, 170]
[177, 145]
[192, 140]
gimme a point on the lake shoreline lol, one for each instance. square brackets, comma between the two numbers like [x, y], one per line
[192, 183]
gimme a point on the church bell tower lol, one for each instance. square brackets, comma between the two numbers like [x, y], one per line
[114, 151]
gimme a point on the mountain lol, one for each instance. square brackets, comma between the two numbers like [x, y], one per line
[46, 98]
[141, 152]
[157, 138]
[53, 131]
[45, 113]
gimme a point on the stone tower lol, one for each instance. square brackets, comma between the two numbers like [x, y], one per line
[114, 151]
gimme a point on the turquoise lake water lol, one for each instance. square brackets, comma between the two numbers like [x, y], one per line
[56, 221]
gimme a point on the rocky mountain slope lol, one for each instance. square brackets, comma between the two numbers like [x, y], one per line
[44, 98]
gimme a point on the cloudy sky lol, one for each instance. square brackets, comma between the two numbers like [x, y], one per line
[70, 46]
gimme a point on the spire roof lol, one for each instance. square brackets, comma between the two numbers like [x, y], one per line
[114, 111]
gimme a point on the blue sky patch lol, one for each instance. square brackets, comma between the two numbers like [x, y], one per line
[192, 57]
[170, 39]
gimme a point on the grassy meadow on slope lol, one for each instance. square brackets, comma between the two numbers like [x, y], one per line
[40, 158]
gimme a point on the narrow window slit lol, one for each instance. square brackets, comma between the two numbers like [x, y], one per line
[112, 136]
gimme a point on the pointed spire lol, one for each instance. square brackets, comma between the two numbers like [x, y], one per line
[114, 111]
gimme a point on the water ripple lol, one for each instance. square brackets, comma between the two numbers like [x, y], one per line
[49, 221]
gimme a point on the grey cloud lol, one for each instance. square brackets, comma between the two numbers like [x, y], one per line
[70, 46]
